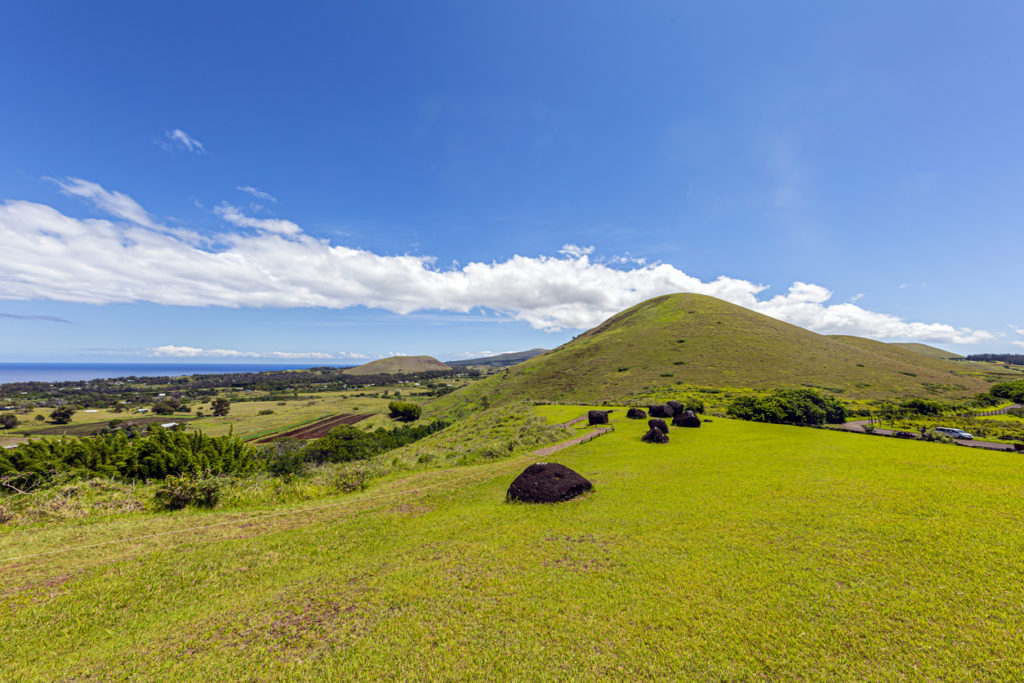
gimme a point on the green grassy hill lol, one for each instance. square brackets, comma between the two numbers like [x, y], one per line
[397, 365]
[927, 350]
[697, 340]
[738, 551]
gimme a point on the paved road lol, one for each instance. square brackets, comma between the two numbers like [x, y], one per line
[858, 427]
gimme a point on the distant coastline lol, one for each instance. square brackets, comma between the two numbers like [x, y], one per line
[74, 372]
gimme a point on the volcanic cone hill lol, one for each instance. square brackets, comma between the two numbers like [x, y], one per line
[698, 340]
[397, 365]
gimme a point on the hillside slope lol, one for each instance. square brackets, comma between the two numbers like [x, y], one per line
[499, 361]
[397, 365]
[697, 340]
[927, 350]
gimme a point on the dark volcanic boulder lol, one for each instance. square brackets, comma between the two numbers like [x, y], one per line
[598, 417]
[659, 411]
[655, 436]
[547, 482]
[687, 419]
[636, 414]
[657, 423]
[677, 408]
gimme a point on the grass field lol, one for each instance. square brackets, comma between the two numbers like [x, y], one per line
[737, 551]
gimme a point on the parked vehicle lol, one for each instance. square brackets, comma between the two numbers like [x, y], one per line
[955, 433]
[904, 435]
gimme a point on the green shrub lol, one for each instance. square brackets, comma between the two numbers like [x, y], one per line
[266, 411]
[284, 457]
[794, 406]
[347, 443]
[179, 492]
[1013, 391]
[402, 410]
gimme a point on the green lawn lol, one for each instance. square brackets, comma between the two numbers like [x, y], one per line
[737, 551]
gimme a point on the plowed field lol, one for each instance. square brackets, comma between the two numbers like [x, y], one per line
[317, 429]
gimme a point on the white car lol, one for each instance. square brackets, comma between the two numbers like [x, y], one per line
[955, 433]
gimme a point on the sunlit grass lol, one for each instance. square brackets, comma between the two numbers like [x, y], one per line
[736, 551]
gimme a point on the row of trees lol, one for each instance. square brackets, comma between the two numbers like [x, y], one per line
[793, 406]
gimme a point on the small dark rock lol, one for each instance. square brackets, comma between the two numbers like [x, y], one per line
[547, 482]
[677, 408]
[660, 410]
[655, 435]
[636, 414]
[687, 419]
[658, 423]
[598, 417]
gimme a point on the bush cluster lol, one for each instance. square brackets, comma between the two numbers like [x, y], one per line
[404, 411]
[158, 454]
[1013, 391]
[347, 443]
[179, 492]
[795, 406]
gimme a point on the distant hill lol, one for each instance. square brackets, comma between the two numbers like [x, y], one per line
[697, 340]
[499, 361]
[926, 350]
[397, 365]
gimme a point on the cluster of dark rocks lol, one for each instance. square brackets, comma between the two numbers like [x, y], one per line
[550, 482]
[673, 410]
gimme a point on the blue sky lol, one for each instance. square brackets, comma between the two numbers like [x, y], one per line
[248, 181]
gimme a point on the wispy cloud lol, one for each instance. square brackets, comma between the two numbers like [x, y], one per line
[49, 255]
[259, 194]
[1018, 343]
[47, 318]
[114, 203]
[856, 297]
[232, 215]
[172, 351]
[179, 140]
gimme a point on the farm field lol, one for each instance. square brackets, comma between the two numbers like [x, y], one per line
[736, 551]
[243, 419]
[316, 430]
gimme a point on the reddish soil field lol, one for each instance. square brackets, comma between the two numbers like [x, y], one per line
[317, 429]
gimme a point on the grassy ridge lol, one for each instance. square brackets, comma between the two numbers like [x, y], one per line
[696, 340]
[397, 365]
[736, 551]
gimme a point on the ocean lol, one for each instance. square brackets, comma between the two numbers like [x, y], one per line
[71, 372]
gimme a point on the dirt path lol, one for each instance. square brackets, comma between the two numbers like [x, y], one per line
[583, 438]
[1001, 411]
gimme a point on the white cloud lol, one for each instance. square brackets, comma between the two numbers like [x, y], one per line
[575, 251]
[1018, 330]
[1017, 343]
[114, 203]
[178, 139]
[173, 351]
[235, 217]
[48, 255]
[856, 297]
[259, 194]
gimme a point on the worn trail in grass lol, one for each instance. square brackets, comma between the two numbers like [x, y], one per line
[737, 550]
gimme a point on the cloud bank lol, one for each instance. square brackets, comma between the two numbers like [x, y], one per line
[171, 351]
[49, 255]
